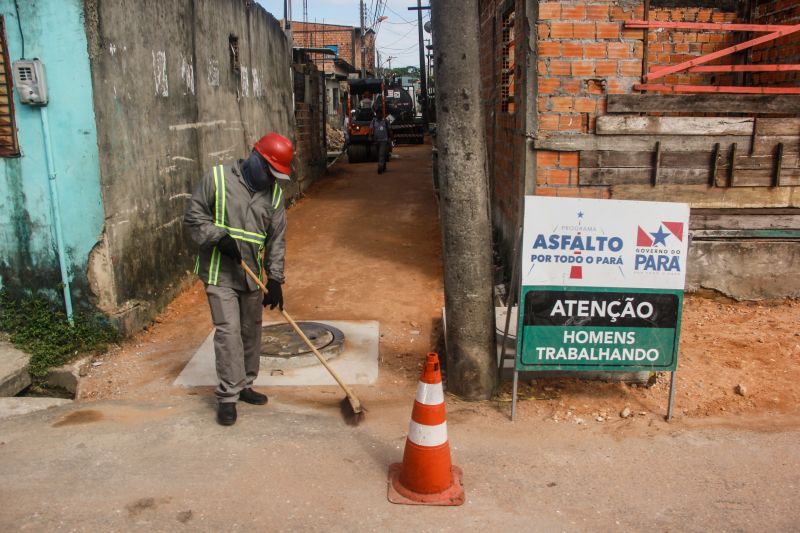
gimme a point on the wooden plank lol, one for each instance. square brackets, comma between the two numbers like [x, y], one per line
[777, 126]
[714, 166]
[747, 234]
[608, 158]
[639, 143]
[703, 196]
[732, 167]
[704, 103]
[657, 164]
[764, 162]
[643, 175]
[636, 125]
[768, 145]
[712, 89]
[716, 219]
[778, 164]
[759, 177]
[713, 26]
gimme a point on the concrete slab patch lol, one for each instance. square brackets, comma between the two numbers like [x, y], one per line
[68, 376]
[14, 375]
[357, 364]
[21, 406]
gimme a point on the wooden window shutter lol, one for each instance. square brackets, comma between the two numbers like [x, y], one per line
[9, 146]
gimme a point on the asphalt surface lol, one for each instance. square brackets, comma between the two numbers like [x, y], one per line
[133, 466]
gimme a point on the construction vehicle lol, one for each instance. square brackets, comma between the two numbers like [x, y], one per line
[397, 104]
[406, 125]
[361, 110]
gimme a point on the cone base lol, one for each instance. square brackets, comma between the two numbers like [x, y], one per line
[453, 495]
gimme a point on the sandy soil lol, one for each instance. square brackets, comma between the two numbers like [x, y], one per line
[367, 246]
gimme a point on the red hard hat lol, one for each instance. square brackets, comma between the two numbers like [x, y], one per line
[277, 150]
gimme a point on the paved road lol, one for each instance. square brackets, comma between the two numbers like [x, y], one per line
[116, 466]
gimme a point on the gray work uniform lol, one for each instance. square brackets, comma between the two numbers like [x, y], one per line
[380, 136]
[222, 204]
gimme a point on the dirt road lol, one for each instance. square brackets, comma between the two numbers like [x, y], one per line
[139, 454]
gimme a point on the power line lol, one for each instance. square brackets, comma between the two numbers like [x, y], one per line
[398, 15]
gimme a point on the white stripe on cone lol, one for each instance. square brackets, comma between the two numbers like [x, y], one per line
[423, 435]
[430, 393]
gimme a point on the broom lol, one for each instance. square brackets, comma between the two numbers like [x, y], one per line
[352, 410]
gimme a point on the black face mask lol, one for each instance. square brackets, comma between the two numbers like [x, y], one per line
[256, 174]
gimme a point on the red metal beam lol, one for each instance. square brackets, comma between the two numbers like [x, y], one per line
[666, 71]
[718, 26]
[714, 89]
[745, 68]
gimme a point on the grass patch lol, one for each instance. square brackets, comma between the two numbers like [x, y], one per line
[39, 327]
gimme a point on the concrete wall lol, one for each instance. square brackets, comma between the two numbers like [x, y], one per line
[53, 32]
[169, 105]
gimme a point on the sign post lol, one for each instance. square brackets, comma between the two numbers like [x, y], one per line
[601, 286]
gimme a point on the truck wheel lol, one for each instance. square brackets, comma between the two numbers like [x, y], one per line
[356, 153]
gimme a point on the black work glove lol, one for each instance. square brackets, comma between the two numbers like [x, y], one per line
[274, 296]
[229, 247]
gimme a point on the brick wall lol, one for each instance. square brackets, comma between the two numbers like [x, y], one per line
[315, 35]
[783, 50]
[505, 147]
[585, 54]
[670, 47]
[311, 152]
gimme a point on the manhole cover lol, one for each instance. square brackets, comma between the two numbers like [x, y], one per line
[283, 349]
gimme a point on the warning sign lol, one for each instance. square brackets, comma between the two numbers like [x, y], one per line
[602, 284]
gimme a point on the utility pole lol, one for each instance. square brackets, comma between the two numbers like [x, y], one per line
[465, 212]
[363, 43]
[423, 84]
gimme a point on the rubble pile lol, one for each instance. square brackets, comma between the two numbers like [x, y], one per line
[335, 139]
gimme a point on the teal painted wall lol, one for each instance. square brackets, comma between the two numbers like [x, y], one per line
[53, 32]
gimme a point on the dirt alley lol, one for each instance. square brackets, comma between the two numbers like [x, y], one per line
[136, 453]
[364, 246]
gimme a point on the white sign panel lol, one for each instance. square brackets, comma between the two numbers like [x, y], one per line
[604, 243]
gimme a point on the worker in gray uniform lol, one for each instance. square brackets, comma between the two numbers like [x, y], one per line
[236, 213]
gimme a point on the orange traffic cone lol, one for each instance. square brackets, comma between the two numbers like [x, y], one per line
[426, 475]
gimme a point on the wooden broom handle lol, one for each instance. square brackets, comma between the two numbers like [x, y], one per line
[301, 334]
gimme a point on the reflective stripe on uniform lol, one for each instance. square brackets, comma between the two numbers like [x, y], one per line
[219, 220]
[276, 191]
[423, 435]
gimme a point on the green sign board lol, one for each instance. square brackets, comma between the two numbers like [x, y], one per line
[599, 329]
[601, 285]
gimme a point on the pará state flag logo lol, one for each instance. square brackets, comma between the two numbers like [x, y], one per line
[660, 236]
[659, 249]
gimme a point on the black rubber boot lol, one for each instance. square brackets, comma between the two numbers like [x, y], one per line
[253, 397]
[226, 413]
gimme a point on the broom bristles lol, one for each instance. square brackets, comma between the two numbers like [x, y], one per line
[351, 417]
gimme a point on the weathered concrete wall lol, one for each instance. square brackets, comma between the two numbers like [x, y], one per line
[53, 32]
[170, 103]
[745, 270]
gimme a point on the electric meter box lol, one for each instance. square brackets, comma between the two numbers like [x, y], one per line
[30, 81]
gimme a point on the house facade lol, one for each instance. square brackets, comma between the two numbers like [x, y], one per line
[575, 106]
